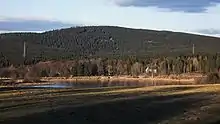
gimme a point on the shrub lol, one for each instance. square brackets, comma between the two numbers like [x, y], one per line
[211, 78]
[9, 73]
[31, 79]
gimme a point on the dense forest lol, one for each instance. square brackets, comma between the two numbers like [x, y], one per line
[132, 66]
[102, 41]
[107, 51]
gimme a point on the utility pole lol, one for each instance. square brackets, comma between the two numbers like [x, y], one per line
[193, 49]
[24, 53]
[24, 50]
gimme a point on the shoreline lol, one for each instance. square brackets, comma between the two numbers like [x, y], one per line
[111, 78]
[91, 79]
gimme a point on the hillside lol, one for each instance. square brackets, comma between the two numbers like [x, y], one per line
[104, 41]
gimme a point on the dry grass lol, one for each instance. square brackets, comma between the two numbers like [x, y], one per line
[172, 79]
[116, 78]
[199, 98]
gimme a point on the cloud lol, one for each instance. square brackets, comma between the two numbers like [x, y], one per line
[192, 6]
[3, 32]
[123, 2]
[209, 31]
[172, 15]
[18, 24]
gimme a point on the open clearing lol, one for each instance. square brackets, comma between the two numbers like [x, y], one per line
[117, 105]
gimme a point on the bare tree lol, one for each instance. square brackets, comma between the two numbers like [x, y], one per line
[137, 69]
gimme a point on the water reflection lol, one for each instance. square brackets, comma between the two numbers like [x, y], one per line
[88, 85]
[99, 84]
[50, 86]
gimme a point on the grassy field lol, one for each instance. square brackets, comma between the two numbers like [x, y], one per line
[117, 105]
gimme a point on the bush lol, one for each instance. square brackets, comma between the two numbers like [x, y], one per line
[31, 76]
[31, 79]
[211, 78]
[44, 73]
[9, 73]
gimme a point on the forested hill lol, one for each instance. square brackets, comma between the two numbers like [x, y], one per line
[104, 41]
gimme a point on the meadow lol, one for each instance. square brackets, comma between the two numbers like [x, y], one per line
[153, 104]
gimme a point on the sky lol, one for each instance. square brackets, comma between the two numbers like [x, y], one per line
[194, 16]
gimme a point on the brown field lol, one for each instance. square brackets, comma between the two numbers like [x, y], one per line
[117, 105]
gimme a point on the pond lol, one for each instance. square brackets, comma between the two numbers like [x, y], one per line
[98, 84]
[78, 85]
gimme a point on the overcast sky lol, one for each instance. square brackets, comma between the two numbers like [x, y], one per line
[201, 16]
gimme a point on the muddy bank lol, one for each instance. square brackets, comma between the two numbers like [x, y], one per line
[189, 77]
[108, 81]
[107, 78]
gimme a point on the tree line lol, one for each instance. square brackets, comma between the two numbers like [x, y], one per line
[115, 66]
[4, 61]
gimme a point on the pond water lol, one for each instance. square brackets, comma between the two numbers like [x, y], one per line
[98, 84]
[78, 85]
